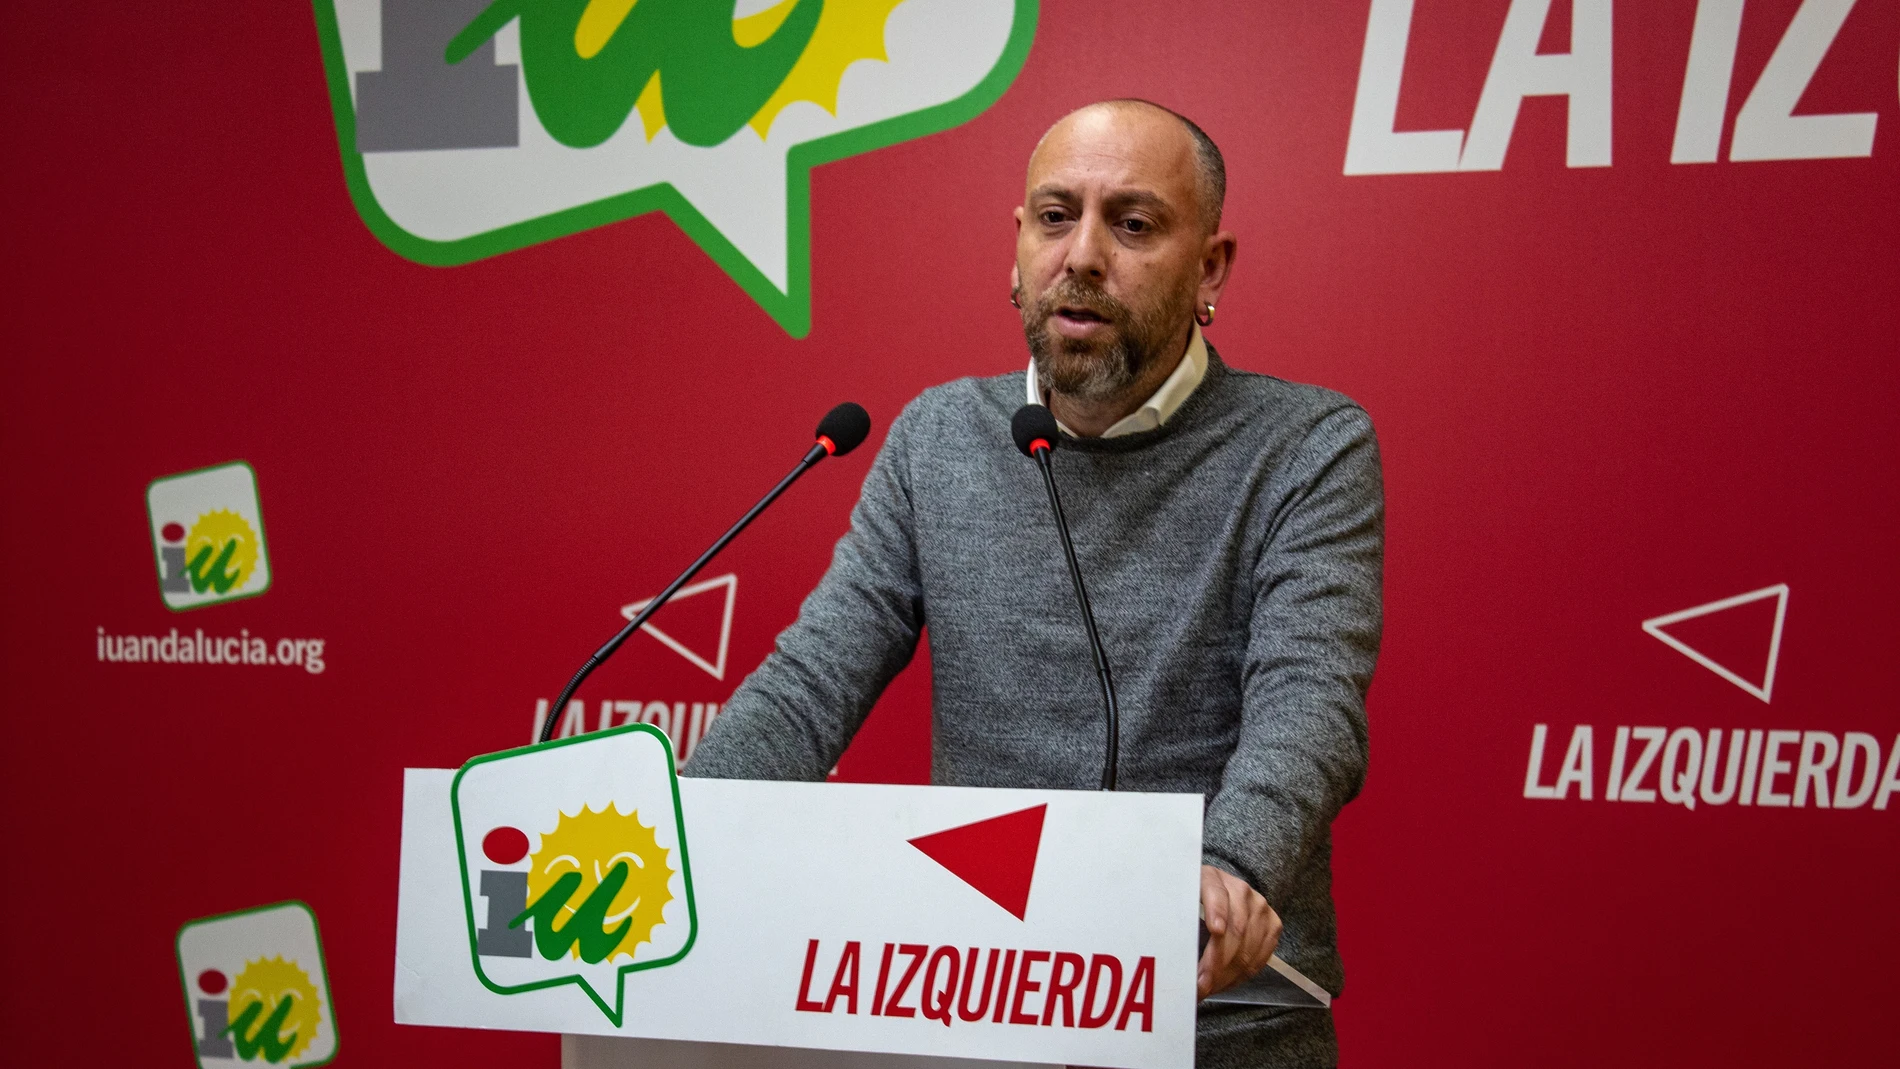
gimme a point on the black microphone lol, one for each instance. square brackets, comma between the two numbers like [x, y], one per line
[1034, 428]
[843, 429]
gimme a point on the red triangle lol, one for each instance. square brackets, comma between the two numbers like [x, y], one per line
[996, 856]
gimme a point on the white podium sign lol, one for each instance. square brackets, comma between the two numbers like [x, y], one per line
[592, 894]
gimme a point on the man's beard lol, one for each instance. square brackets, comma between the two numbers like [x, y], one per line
[1090, 370]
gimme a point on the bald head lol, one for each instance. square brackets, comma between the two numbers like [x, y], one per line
[1145, 118]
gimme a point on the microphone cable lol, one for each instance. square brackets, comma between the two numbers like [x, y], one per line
[1036, 434]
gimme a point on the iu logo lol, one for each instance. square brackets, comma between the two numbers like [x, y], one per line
[469, 127]
[208, 536]
[256, 988]
[574, 867]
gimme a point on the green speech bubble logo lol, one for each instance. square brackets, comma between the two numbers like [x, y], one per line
[574, 864]
[710, 113]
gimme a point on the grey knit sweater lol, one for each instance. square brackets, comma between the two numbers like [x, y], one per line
[1233, 557]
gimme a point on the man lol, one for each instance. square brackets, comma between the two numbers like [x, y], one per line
[1230, 526]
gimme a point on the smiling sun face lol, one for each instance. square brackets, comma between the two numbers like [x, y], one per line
[592, 844]
[224, 548]
[270, 981]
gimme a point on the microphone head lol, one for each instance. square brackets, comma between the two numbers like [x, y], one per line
[844, 428]
[1031, 424]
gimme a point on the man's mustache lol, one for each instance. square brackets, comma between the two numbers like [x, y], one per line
[1070, 293]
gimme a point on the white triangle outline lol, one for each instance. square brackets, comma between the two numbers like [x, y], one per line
[1655, 624]
[716, 669]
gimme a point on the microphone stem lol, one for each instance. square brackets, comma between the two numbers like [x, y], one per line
[811, 458]
[1112, 755]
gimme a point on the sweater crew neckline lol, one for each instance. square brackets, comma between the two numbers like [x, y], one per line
[1186, 416]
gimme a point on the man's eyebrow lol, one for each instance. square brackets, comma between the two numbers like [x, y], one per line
[1057, 192]
[1142, 198]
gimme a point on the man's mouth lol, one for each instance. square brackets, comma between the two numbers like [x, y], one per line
[1079, 322]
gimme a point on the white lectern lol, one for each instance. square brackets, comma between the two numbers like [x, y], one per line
[581, 887]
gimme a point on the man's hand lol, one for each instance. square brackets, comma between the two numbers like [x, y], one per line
[1242, 930]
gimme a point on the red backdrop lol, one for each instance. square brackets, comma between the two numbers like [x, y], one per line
[1603, 394]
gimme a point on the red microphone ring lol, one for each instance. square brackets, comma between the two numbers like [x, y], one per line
[831, 447]
[1038, 443]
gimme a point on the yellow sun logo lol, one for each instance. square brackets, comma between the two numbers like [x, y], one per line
[847, 31]
[268, 984]
[592, 844]
[220, 551]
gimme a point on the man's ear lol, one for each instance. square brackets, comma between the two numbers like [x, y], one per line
[1217, 265]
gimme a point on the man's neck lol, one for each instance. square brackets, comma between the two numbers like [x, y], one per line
[1089, 418]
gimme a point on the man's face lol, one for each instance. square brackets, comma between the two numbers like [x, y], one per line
[1109, 248]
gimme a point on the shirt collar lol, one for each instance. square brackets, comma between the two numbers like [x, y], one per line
[1161, 404]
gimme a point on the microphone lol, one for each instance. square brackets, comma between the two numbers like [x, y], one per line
[1034, 428]
[843, 429]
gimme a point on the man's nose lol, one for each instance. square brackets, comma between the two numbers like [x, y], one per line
[1090, 249]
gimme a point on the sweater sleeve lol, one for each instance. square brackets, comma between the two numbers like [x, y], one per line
[795, 714]
[1314, 636]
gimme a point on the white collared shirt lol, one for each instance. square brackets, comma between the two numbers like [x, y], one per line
[1158, 407]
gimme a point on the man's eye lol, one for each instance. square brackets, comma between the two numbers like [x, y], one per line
[1135, 226]
[1052, 216]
